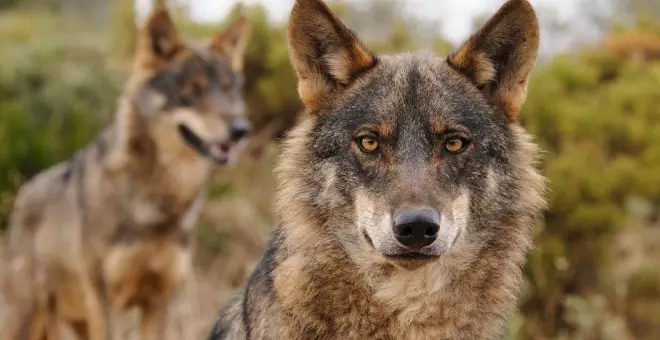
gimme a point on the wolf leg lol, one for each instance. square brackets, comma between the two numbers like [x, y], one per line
[97, 323]
[25, 309]
[51, 326]
[19, 322]
[50, 319]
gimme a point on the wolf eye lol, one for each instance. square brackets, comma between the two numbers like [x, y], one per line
[455, 144]
[368, 144]
[199, 87]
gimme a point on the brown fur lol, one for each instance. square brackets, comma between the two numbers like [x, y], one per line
[110, 229]
[334, 269]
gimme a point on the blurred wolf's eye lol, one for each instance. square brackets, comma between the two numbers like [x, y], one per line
[368, 144]
[199, 86]
[455, 144]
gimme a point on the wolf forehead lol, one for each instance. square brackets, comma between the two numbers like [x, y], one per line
[196, 73]
[414, 92]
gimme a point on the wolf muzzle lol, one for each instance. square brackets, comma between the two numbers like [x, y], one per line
[217, 151]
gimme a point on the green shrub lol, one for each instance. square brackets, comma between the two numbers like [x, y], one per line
[598, 118]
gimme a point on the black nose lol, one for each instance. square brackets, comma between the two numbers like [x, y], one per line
[238, 128]
[416, 228]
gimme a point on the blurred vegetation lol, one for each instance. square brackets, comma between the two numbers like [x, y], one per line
[595, 270]
[597, 115]
[55, 95]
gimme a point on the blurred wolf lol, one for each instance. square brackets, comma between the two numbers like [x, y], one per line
[110, 229]
[407, 192]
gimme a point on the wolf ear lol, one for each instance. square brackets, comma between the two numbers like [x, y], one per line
[158, 41]
[500, 56]
[232, 42]
[326, 55]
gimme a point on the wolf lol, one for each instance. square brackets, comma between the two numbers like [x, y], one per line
[406, 194]
[110, 229]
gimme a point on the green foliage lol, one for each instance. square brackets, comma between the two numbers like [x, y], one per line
[211, 242]
[598, 118]
[51, 104]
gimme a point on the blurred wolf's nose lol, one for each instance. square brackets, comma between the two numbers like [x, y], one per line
[416, 228]
[238, 128]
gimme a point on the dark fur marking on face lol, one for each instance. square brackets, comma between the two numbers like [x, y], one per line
[193, 83]
[414, 138]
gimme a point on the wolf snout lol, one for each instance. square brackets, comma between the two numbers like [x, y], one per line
[238, 129]
[416, 228]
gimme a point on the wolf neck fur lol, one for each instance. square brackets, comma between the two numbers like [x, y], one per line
[135, 156]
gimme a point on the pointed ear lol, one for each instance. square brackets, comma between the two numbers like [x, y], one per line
[158, 42]
[500, 56]
[232, 42]
[326, 55]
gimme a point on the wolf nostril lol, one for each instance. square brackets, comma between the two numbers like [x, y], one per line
[417, 228]
[238, 129]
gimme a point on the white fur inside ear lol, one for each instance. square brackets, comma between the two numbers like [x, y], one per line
[485, 70]
[339, 65]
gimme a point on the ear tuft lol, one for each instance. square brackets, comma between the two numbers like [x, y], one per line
[326, 55]
[233, 41]
[158, 42]
[500, 56]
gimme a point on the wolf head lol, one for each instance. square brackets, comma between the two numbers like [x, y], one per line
[192, 91]
[414, 153]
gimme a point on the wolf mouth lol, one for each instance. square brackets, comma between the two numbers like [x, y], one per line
[217, 152]
[410, 258]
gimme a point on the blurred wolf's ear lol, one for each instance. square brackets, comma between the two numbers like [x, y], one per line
[326, 55]
[158, 42]
[232, 42]
[500, 56]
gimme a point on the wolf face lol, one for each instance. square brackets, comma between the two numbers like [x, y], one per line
[193, 91]
[416, 153]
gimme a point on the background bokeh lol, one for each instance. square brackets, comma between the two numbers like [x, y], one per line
[594, 105]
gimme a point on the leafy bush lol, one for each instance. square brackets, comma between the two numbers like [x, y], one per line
[51, 103]
[597, 114]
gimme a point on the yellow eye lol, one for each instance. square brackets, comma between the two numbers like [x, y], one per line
[454, 145]
[368, 144]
